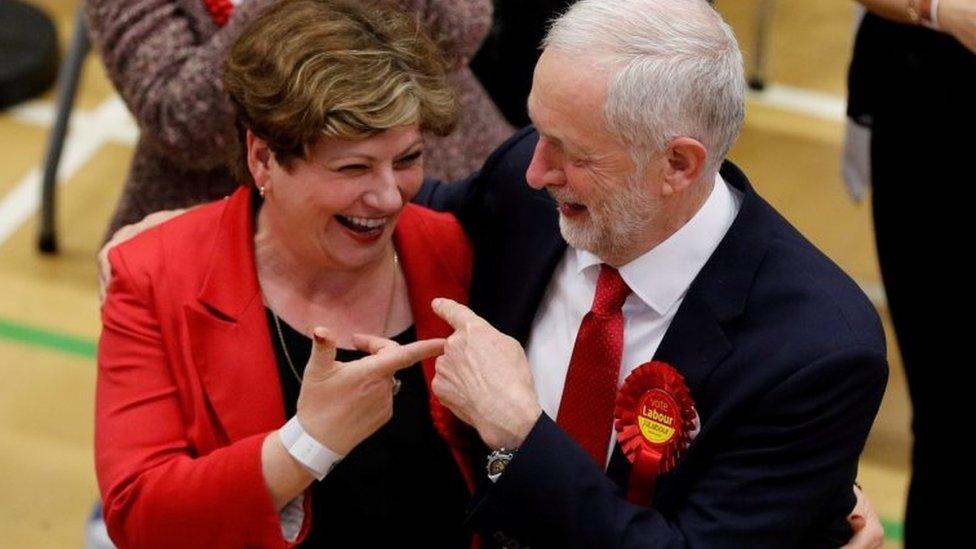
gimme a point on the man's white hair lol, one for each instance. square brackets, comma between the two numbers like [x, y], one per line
[676, 71]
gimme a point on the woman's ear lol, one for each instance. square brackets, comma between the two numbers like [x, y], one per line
[259, 159]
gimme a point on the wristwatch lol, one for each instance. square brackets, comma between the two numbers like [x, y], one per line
[498, 461]
[317, 458]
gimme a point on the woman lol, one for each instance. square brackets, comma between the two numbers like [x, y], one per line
[206, 316]
[912, 80]
[164, 58]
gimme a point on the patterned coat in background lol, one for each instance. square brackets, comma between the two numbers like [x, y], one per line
[164, 58]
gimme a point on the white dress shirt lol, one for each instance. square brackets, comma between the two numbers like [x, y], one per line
[658, 279]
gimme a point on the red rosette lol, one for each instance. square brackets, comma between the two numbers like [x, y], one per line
[655, 419]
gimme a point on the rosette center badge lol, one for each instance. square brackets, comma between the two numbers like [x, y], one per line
[658, 417]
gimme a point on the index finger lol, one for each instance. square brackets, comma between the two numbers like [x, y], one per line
[453, 312]
[372, 344]
[398, 358]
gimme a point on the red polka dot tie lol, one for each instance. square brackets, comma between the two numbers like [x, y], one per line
[586, 408]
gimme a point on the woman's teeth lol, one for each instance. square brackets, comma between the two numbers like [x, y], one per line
[362, 224]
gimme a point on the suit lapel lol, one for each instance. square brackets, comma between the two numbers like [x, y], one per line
[512, 270]
[228, 333]
[237, 369]
[696, 341]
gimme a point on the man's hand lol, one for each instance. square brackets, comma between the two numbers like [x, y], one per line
[868, 533]
[958, 18]
[484, 378]
[125, 233]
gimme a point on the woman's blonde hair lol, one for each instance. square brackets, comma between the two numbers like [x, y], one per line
[348, 69]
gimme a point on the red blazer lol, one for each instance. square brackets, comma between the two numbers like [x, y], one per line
[187, 383]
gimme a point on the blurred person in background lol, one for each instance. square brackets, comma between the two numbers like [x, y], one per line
[912, 80]
[505, 61]
[208, 325]
[164, 58]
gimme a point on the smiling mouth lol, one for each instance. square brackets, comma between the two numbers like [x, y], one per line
[571, 208]
[363, 225]
[566, 207]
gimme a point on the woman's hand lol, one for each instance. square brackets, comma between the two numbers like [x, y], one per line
[340, 404]
[958, 18]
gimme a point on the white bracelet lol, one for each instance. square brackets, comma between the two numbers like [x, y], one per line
[307, 451]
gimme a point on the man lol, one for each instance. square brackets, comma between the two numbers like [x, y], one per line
[770, 362]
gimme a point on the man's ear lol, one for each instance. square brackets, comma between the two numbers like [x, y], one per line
[685, 160]
[259, 159]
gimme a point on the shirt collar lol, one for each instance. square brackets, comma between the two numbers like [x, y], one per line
[662, 275]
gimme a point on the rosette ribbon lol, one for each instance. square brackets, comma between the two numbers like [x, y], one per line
[655, 419]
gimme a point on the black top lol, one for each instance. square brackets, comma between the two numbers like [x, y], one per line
[897, 67]
[400, 486]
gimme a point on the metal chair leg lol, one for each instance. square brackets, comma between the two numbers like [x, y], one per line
[764, 16]
[67, 87]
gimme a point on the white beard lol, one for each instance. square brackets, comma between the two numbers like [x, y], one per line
[613, 227]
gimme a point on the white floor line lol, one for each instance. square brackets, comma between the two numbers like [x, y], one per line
[117, 122]
[88, 131]
[110, 118]
[39, 113]
[801, 101]
[23, 200]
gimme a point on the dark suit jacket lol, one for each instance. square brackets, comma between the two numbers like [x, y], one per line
[783, 354]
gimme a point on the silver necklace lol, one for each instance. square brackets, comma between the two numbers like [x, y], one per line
[386, 321]
[284, 347]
